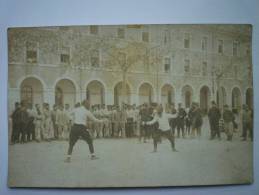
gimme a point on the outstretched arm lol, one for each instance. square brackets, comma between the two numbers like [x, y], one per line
[92, 117]
[155, 119]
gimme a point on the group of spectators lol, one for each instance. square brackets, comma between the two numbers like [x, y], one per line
[40, 123]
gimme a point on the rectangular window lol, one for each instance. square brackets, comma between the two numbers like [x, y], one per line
[145, 36]
[187, 65]
[94, 60]
[167, 65]
[64, 58]
[94, 30]
[65, 55]
[121, 33]
[204, 44]
[186, 41]
[235, 48]
[204, 68]
[31, 52]
[220, 46]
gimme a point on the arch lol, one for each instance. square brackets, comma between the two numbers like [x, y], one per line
[65, 92]
[187, 95]
[249, 98]
[119, 96]
[95, 92]
[236, 98]
[19, 82]
[167, 94]
[31, 90]
[146, 93]
[205, 98]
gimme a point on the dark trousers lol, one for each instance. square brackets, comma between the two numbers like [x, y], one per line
[30, 131]
[214, 129]
[247, 127]
[76, 132]
[157, 134]
[180, 127]
[129, 127]
[22, 132]
[143, 132]
[15, 133]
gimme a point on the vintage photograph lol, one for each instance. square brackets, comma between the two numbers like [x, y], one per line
[130, 105]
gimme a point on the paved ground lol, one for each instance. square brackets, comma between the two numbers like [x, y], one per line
[125, 162]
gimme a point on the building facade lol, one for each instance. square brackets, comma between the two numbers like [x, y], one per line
[181, 64]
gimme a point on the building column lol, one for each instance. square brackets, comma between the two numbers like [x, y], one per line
[49, 96]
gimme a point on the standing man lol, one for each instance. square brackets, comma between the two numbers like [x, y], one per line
[180, 121]
[15, 123]
[54, 120]
[228, 118]
[79, 129]
[144, 117]
[247, 122]
[163, 129]
[214, 117]
[38, 123]
[23, 121]
[30, 126]
[62, 123]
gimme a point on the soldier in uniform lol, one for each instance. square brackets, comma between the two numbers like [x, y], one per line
[62, 122]
[180, 120]
[247, 118]
[54, 122]
[48, 132]
[30, 126]
[196, 118]
[23, 119]
[228, 118]
[15, 123]
[214, 117]
[38, 121]
[144, 117]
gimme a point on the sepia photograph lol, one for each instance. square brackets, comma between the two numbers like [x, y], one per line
[134, 105]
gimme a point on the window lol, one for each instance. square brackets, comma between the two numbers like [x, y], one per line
[204, 68]
[167, 65]
[220, 46]
[186, 41]
[204, 44]
[27, 94]
[65, 55]
[94, 30]
[31, 52]
[145, 36]
[121, 33]
[94, 60]
[186, 65]
[235, 48]
[64, 58]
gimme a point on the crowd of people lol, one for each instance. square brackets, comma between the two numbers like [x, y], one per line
[40, 123]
